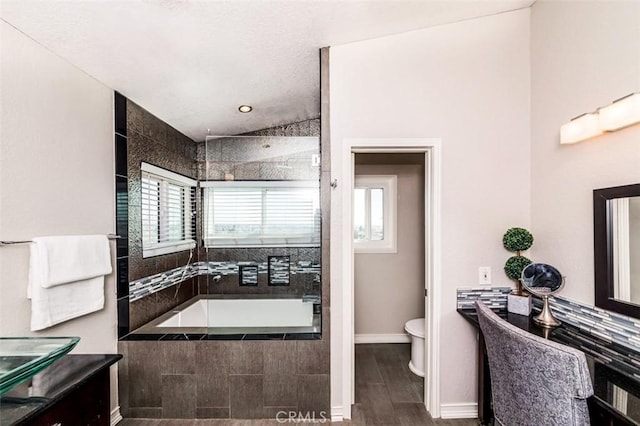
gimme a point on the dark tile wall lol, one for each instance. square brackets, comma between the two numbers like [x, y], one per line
[224, 379]
[153, 141]
[152, 306]
[262, 158]
[122, 213]
[301, 128]
[140, 136]
[299, 284]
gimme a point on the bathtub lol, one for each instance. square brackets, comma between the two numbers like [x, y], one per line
[225, 314]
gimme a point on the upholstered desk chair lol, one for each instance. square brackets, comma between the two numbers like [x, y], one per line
[533, 381]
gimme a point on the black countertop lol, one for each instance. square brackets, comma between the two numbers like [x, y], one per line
[34, 396]
[615, 369]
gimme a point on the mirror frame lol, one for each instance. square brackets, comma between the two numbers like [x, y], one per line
[603, 249]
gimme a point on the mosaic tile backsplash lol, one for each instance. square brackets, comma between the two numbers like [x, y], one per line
[154, 283]
[605, 325]
[494, 297]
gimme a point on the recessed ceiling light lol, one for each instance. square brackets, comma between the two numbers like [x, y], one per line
[245, 108]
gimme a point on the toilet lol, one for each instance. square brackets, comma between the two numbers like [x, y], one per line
[415, 328]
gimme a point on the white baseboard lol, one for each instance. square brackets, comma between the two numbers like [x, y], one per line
[382, 338]
[116, 417]
[459, 411]
[337, 414]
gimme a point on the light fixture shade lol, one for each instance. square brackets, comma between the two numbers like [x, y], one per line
[580, 128]
[621, 113]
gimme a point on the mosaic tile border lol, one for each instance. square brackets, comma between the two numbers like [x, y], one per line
[494, 297]
[621, 358]
[606, 325]
[154, 283]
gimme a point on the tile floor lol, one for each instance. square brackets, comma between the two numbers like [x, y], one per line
[387, 393]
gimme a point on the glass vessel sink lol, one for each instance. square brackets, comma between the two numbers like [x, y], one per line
[23, 357]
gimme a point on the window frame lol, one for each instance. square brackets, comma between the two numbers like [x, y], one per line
[250, 241]
[389, 186]
[166, 178]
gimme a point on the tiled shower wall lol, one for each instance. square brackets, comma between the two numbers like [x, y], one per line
[222, 379]
[246, 379]
[151, 140]
[249, 158]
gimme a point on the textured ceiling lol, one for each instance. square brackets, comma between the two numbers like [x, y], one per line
[192, 63]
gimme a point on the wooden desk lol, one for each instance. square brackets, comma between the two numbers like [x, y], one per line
[615, 371]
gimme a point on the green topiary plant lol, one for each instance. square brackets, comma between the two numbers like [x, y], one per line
[517, 240]
[514, 266]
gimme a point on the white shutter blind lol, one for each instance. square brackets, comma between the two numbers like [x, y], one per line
[264, 214]
[235, 212]
[168, 219]
[150, 210]
[289, 211]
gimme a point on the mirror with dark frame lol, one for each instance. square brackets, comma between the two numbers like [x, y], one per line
[616, 226]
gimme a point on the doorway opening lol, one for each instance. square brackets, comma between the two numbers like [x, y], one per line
[429, 149]
[389, 280]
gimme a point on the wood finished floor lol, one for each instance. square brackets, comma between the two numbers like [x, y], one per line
[387, 393]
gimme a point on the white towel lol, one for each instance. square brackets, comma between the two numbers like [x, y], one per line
[50, 306]
[53, 301]
[66, 259]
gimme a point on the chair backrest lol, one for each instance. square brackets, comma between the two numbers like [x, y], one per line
[534, 381]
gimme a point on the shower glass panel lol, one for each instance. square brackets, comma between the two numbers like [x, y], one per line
[260, 211]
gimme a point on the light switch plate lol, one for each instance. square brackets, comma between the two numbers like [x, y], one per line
[484, 275]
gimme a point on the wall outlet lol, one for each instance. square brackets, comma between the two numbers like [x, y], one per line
[484, 275]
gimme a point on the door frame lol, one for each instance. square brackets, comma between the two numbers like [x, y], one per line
[431, 147]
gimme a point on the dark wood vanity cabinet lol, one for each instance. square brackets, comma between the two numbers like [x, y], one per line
[86, 405]
[77, 394]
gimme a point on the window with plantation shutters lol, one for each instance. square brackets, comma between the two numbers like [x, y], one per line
[265, 213]
[168, 211]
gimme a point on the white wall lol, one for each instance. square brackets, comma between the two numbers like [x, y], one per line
[468, 84]
[583, 56]
[56, 176]
[389, 287]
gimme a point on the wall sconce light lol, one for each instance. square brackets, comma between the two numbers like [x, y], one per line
[582, 127]
[622, 113]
